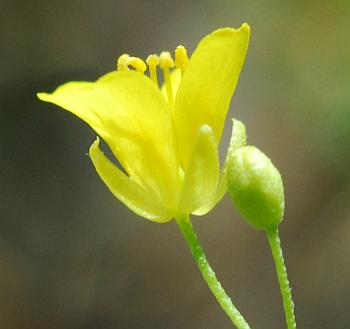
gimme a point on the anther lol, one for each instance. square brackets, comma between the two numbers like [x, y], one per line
[122, 62]
[166, 62]
[181, 58]
[152, 62]
[136, 63]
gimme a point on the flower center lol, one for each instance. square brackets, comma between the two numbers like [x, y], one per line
[165, 62]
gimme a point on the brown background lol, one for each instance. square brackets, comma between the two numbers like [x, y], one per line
[71, 256]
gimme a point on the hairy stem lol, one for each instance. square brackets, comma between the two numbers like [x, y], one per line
[208, 273]
[276, 249]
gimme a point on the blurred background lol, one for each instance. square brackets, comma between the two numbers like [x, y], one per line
[72, 256]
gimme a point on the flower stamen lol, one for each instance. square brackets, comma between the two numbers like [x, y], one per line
[136, 63]
[166, 63]
[152, 62]
[122, 62]
[181, 58]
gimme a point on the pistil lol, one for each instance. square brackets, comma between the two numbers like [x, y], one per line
[166, 63]
[181, 58]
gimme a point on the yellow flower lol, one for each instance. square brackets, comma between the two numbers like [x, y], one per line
[166, 139]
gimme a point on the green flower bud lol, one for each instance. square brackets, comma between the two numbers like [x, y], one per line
[256, 188]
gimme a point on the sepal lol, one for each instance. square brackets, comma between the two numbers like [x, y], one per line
[238, 139]
[202, 173]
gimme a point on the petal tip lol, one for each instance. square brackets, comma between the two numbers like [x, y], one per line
[93, 148]
[43, 96]
[245, 27]
[244, 30]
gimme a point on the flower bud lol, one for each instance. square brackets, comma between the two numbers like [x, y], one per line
[256, 188]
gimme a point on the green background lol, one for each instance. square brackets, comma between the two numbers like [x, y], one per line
[71, 256]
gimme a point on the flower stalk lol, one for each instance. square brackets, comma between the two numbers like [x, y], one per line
[276, 250]
[208, 273]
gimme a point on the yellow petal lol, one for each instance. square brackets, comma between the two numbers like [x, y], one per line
[129, 112]
[238, 139]
[202, 174]
[208, 83]
[77, 97]
[141, 201]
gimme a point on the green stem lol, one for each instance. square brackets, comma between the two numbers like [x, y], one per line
[276, 249]
[208, 273]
